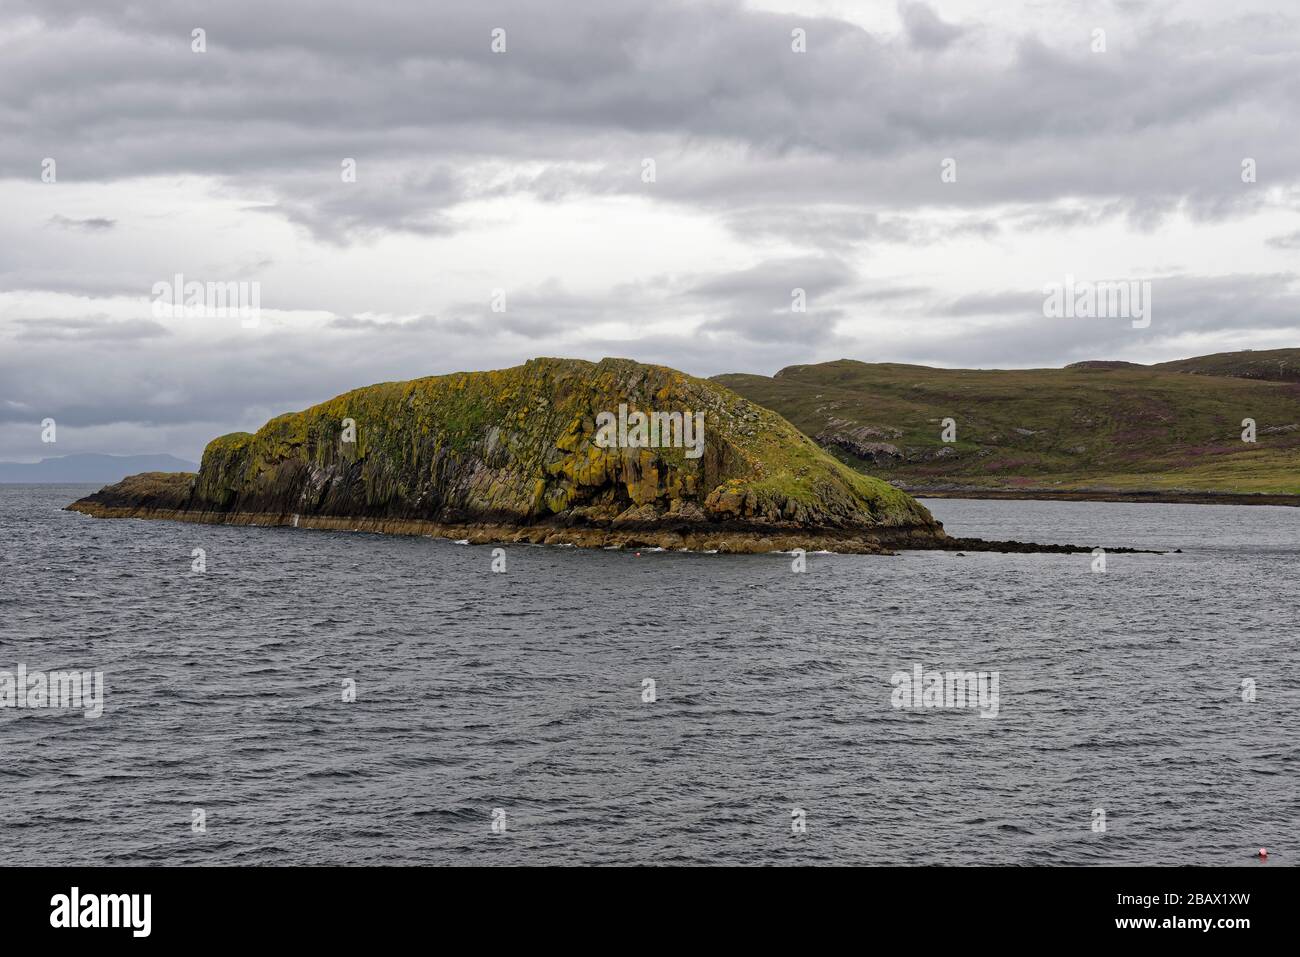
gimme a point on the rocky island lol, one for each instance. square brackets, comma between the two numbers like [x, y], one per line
[556, 451]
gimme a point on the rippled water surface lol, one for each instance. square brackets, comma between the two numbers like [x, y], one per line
[523, 691]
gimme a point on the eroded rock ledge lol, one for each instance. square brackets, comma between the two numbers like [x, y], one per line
[164, 496]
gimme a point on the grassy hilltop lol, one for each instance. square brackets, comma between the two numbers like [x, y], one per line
[1092, 426]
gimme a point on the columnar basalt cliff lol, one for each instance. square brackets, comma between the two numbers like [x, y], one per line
[513, 455]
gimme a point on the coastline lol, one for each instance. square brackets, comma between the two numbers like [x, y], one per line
[1150, 496]
[733, 538]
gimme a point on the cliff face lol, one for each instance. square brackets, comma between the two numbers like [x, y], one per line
[521, 454]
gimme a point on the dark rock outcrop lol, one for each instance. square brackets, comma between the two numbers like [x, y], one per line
[511, 455]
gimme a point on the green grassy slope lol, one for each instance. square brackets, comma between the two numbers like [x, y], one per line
[1276, 365]
[1124, 428]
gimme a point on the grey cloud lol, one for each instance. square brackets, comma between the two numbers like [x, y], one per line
[758, 304]
[1286, 241]
[996, 303]
[291, 89]
[769, 284]
[89, 329]
[890, 294]
[1241, 303]
[814, 327]
[816, 159]
[94, 224]
[381, 199]
[419, 325]
[159, 392]
[72, 281]
[924, 27]
[1192, 316]
[1185, 303]
[836, 230]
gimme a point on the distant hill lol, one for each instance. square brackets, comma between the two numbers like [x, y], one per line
[1106, 364]
[1099, 425]
[1271, 365]
[89, 468]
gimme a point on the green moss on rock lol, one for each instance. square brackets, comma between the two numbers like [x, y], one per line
[517, 447]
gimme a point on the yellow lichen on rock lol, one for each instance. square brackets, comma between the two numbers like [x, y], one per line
[518, 447]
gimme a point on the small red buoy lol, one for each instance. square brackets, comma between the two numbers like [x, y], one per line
[1263, 853]
[638, 554]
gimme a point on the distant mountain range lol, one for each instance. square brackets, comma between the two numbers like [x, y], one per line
[1092, 426]
[89, 467]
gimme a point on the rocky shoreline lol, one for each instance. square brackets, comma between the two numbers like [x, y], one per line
[1172, 497]
[731, 538]
[735, 538]
[528, 455]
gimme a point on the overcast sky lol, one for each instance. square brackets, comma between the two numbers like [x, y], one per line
[524, 171]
